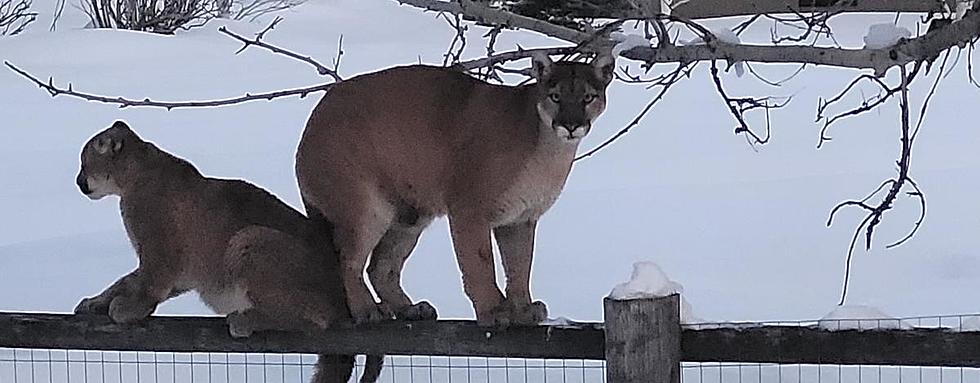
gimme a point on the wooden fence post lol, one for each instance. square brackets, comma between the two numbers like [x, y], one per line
[643, 340]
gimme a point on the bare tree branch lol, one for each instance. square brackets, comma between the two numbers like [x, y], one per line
[122, 102]
[125, 103]
[924, 48]
[257, 41]
[253, 9]
[15, 16]
[472, 10]
[514, 55]
[739, 106]
[866, 106]
[458, 44]
[894, 185]
[665, 84]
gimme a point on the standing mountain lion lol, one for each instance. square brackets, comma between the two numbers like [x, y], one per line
[384, 153]
[249, 255]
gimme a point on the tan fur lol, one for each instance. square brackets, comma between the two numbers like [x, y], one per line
[247, 254]
[384, 153]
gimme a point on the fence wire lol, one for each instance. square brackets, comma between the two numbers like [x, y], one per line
[823, 373]
[80, 366]
[961, 322]
[68, 366]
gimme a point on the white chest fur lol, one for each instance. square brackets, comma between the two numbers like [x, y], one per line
[534, 191]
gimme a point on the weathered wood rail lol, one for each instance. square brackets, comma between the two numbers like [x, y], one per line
[203, 334]
[769, 344]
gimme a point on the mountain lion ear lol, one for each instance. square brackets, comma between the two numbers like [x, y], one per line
[120, 124]
[108, 145]
[603, 65]
[541, 66]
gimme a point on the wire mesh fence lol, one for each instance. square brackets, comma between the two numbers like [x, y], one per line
[959, 322]
[56, 366]
[823, 373]
[43, 365]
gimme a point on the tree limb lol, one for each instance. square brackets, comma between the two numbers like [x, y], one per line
[483, 14]
[924, 48]
[257, 41]
[125, 103]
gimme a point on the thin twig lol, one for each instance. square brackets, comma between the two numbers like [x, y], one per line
[739, 106]
[458, 44]
[665, 86]
[866, 105]
[125, 103]
[895, 186]
[514, 55]
[257, 41]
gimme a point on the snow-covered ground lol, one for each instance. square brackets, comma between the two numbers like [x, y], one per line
[742, 230]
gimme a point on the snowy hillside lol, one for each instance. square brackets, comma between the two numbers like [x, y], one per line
[742, 231]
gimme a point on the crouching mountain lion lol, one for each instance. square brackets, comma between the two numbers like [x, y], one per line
[249, 255]
[384, 153]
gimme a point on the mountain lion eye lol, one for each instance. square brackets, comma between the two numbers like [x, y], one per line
[555, 97]
[589, 98]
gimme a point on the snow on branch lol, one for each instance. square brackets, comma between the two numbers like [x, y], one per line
[924, 48]
[484, 14]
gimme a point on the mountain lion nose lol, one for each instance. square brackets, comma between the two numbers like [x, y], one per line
[82, 183]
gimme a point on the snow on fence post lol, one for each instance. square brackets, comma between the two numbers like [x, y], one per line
[643, 340]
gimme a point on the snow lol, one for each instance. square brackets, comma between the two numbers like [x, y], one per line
[648, 280]
[627, 41]
[962, 6]
[860, 317]
[561, 322]
[726, 36]
[969, 324]
[884, 35]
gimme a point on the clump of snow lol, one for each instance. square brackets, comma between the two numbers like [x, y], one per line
[563, 322]
[885, 35]
[648, 280]
[727, 36]
[724, 35]
[960, 9]
[559, 321]
[860, 317]
[625, 42]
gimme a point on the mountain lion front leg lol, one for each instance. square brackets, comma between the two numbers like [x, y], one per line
[152, 283]
[99, 304]
[516, 242]
[471, 240]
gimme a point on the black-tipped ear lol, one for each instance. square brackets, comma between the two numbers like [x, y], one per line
[121, 131]
[107, 145]
[604, 64]
[541, 66]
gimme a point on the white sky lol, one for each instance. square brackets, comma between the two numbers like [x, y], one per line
[742, 231]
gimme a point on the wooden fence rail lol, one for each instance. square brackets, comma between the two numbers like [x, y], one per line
[769, 344]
